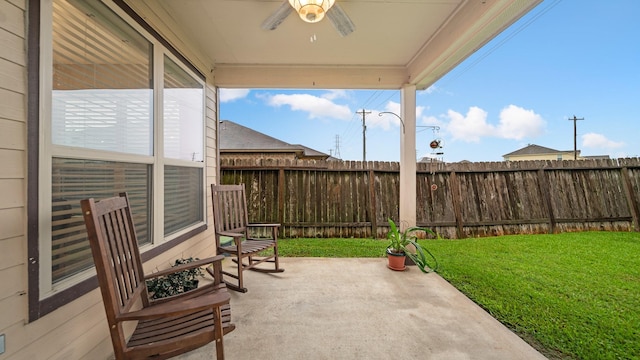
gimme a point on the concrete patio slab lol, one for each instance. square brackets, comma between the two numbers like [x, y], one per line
[322, 308]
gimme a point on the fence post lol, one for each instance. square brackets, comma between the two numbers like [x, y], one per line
[372, 204]
[633, 205]
[281, 184]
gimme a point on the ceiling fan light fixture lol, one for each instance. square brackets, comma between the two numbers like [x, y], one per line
[311, 11]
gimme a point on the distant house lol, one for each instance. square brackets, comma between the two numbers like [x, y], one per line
[240, 142]
[537, 152]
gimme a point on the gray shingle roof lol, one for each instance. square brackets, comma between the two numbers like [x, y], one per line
[238, 138]
[533, 149]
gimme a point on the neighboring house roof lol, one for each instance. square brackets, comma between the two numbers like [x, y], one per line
[533, 149]
[428, 159]
[309, 151]
[237, 138]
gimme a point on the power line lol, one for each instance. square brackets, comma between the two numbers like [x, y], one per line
[372, 97]
[503, 41]
[382, 103]
[350, 132]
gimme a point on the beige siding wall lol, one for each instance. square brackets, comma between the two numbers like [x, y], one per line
[566, 155]
[211, 133]
[13, 142]
[77, 330]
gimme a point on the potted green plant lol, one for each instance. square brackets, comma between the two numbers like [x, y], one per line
[405, 243]
[175, 283]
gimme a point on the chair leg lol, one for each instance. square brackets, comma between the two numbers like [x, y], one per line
[237, 284]
[276, 259]
[240, 268]
[219, 334]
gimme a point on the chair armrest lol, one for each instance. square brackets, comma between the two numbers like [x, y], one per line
[234, 235]
[274, 230]
[263, 225]
[178, 307]
[187, 266]
[237, 238]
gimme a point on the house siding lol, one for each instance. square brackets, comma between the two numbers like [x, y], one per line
[552, 156]
[77, 330]
[13, 269]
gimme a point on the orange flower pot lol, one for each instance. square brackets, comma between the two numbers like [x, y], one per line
[396, 261]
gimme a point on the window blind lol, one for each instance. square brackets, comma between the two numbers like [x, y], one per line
[74, 180]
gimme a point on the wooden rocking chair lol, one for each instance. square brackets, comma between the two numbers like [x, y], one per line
[165, 327]
[232, 224]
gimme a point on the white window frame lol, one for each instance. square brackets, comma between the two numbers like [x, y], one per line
[48, 150]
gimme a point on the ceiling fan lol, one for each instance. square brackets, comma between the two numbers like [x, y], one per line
[311, 11]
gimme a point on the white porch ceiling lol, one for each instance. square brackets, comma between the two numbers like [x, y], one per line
[396, 42]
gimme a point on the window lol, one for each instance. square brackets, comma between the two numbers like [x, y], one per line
[74, 180]
[183, 114]
[112, 127]
[183, 144]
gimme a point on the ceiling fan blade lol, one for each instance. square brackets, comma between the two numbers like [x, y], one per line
[340, 20]
[278, 16]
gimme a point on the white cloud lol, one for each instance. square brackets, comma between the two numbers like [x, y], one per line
[518, 123]
[335, 94]
[385, 121]
[469, 128]
[431, 121]
[431, 89]
[593, 140]
[317, 107]
[515, 123]
[228, 95]
[393, 107]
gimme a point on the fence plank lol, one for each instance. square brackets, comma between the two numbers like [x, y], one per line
[632, 201]
[355, 199]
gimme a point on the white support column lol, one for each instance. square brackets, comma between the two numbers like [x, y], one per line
[408, 157]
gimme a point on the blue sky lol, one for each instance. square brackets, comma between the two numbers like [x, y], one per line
[564, 58]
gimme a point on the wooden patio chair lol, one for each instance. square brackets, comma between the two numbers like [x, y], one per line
[234, 235]
[167, 326]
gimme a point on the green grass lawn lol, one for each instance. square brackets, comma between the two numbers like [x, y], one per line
[571, 295]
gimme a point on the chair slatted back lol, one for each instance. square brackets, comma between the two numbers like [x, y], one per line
[232, 230]
[116, 255]
[229, 208]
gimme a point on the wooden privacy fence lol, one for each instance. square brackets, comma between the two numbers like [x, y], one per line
[458, 200]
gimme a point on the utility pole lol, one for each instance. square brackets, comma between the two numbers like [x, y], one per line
[364, 131]
[575, 136]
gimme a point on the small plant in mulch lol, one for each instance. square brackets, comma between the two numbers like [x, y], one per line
[176, 283]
